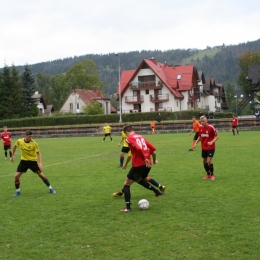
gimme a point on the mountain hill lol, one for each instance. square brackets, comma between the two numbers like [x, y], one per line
[219, 62]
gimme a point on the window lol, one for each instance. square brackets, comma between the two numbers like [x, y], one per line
[177, 103]
[160, 105]
[179, 76]
[71, 106]
[77, 105]
[147, 91]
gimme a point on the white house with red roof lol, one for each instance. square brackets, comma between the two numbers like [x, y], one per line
[155, 86]
[79, 98]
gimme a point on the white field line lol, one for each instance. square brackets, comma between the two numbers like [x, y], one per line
[65, 162]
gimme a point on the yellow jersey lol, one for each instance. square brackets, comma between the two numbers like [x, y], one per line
[28, 150]
[124, 137]
[107, 129]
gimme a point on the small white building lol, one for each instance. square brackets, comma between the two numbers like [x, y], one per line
[80, 98]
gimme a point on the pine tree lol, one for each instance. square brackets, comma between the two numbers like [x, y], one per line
[5, 86]
[17, 107]
[28, 90]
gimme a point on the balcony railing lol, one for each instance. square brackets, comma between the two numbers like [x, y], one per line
[193, 98]
[145, 85]
[134, 99]
[161, 109]
[159, 98]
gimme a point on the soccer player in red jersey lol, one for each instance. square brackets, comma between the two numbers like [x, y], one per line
[234, 124]
[149, 179]
[208, 136]
[6, 138]
[141, 164]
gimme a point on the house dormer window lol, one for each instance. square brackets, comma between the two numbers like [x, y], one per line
[179, 76]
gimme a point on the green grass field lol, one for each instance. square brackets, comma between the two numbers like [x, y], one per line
[194, 219]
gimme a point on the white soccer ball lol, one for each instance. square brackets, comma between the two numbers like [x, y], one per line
[143, 204]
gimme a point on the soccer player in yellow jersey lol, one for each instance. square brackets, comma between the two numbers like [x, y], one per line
[31, 158]
[125, 149]
[107, 130]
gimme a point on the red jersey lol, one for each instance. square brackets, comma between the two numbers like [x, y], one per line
[140, 149]
[6, 137]
[207, 134]
[234, 121]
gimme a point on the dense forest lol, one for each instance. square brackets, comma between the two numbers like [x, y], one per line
[223, 65]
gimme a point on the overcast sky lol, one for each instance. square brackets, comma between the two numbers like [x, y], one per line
[33, 31]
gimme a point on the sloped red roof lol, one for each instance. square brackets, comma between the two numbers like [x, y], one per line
[167, 74]
[87, 95]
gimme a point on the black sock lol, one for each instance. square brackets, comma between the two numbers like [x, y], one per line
[45, 180]
[211, 168]
[127, 195]
[206, 167]
[17, 184]
[5, 154]
[10, 153]
[148, 186]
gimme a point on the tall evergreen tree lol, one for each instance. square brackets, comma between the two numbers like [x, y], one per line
[5, 104]
[17, 106]
[28, 90]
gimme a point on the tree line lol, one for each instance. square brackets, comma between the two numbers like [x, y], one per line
[16, 93]
[17, 89]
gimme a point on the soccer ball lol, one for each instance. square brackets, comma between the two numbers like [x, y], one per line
[143, 204]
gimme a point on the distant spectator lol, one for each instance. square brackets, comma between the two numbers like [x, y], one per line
[257, 113]
[211, 115]
[200, 114]
[159, 118]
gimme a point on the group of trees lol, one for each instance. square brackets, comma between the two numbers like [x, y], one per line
[16, 93]
[56, 88]
[17, 88]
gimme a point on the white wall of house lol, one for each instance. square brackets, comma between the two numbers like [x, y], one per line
[40, 107]
[73, 104]
[147, 106]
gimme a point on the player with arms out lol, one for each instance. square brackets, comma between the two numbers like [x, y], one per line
[107, 130]
[208, 136]
[125, 149]
[31, 158]
[6, 138]
[141, 164]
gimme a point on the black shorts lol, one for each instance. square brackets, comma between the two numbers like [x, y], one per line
[125, 149]
[138, 173]
[234, 126]
[25, 165]
[207, 153]
[196, 136]
[7, 147]
[109, 134]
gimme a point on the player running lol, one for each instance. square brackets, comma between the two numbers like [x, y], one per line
[141, 164]
[149, 179]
